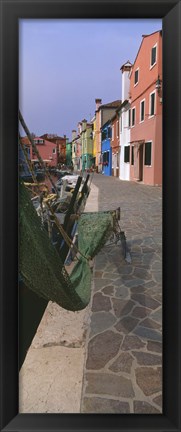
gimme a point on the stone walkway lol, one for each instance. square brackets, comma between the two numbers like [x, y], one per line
[123, 366]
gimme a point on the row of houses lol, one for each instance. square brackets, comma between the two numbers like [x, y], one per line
[124, 138]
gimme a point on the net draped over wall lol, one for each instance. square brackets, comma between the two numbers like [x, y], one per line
[40, 266]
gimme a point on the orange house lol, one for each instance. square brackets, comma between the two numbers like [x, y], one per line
[146, 112]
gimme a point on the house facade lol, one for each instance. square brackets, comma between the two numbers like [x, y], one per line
[115, 144]
[146, 111]
[46, 149]
[61, 146]
[124, 123]
[77, 148]
[68, 154]
[106, 150]
[103, 113]
[87, 145]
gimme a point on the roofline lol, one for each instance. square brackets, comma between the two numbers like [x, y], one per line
[143, 37]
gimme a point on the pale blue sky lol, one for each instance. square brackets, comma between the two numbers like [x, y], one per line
[65, 64]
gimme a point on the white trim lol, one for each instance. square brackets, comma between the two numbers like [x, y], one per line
[134, 108]
[138, 69]
[152, 115]
[143, 100]
[152, 65]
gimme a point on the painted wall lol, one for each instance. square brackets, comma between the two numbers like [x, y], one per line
[150, 129]
[106, 150]
[124, 173]
[115, 145]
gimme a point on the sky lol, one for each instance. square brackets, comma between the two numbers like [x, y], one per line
[64, 65]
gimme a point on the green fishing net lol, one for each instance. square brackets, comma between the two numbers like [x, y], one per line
[40, 265]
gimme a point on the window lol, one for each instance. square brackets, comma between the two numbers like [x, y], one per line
[142, 111]
[132, 155]
[129, 118]
[148, 153]
[54, 150]
[118, 128]
[113, 133]
[133, 116]
[109, 132]
[153, 55]
[152, 104]
[104, 135]
[136, 77]
[126, 153]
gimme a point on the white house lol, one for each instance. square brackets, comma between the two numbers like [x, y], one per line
[124, 124]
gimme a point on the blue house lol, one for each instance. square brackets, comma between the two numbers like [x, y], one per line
[106, 150]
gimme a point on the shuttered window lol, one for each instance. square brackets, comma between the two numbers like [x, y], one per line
[148, 153]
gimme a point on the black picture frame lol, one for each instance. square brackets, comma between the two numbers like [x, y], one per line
[170, 12]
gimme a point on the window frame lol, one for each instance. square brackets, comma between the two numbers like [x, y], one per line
[152, 115]
[54, 150]
[129, 118]
[147, 142]
[134, 108]
[128, 161]
[143, 100]
[152, 65]
[132, 155]
[136, 83]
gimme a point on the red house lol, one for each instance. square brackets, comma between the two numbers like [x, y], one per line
[46, 149]
[146, 112]
[61, 146]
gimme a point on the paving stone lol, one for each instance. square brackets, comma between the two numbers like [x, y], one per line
[158, 400]
[123, 363]
[101, 321]
[127, 324]
[154, 346]
[140, 312]
[109, 275]
[101, 283]
[149, 323]
[157, 276]
[146, 333]
[142, 407]
[108, 290]
[147, 359]
[138, 289]
[101, 303]
[145, 300]
[142, 273]
[95, 405]
[122, 307]
[157, 316]
[121, 292]
[132, 342]
[108, 384]
[134, 282]
[149, 380]
[98, 274]
[102, 348]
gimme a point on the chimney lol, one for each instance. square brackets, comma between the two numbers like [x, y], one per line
[98, 103]
[74, 134]
[125, 68]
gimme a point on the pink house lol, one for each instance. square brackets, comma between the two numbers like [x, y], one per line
[46, 149]
[146, 112]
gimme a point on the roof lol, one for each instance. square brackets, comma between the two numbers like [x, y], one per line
[113, 104]
[128, 63]
[143, 37]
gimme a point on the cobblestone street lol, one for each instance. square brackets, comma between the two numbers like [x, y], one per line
[123, 367]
